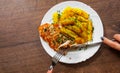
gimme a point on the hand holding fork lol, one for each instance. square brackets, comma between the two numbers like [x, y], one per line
[57, 56]
[55, 59]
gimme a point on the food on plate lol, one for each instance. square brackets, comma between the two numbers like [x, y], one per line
[72, 24]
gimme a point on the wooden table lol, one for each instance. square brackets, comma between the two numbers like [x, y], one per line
[21, 50]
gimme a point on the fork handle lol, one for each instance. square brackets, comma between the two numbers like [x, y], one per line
[50, 71]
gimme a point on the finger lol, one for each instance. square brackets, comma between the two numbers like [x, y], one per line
[50, 71]
[111, 43]
[117, 37]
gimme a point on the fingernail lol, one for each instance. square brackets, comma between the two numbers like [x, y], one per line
[102, 38]
[113, 40]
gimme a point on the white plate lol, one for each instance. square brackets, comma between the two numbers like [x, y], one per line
[76, 56]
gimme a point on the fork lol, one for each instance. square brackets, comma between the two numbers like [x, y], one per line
[55, 59]
[58, 55]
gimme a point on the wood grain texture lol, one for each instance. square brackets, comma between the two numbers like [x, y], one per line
[22, 52]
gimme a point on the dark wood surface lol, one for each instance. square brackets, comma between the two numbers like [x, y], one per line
[21, 50]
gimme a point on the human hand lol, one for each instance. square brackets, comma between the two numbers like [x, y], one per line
[113, 44]
[50, 71]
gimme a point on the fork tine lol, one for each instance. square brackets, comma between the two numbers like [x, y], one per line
[57, 57]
